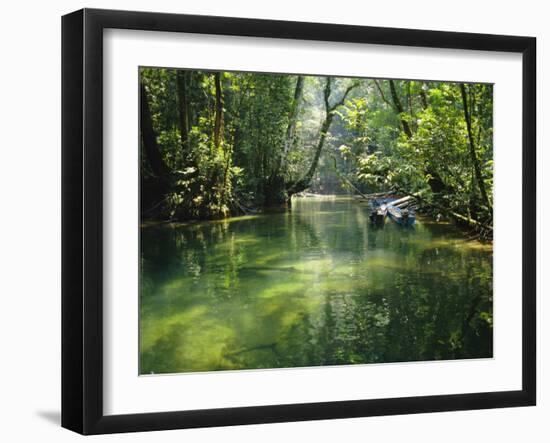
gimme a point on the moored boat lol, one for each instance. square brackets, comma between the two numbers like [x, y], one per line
[403, 217]
[379, 210]
[378, 214]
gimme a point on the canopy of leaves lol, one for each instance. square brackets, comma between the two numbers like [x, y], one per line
[234, 142]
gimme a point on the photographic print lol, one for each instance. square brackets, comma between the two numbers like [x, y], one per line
[303, 220]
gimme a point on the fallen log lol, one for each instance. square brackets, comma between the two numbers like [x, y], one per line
[448, 211]
[402, 201]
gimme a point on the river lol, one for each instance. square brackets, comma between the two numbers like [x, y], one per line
[317, 285]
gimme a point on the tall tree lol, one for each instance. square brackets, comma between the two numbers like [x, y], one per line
[400, 110]
[148, 136]
[305, 181]
[473, 155]
[183, 108]
[218, 117]
[293, 119]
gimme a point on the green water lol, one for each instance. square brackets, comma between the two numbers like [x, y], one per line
[317, 285]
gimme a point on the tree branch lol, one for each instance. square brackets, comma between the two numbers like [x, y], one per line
[382, 94]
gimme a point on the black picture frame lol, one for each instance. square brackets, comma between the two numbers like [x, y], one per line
[82, 218]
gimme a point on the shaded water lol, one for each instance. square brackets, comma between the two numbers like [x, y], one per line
[314, 286]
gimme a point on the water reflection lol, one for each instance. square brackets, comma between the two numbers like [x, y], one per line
[315, 286]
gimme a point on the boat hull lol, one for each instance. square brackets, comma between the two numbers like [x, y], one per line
[401, 219]
[378, 216]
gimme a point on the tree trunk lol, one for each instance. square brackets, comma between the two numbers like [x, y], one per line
[423, 98]
[291, 129]
[399, 109]
[324, 130]
[152, 152]
[218, 137]
[218, 117]
[183, 107]
[473, 155]
[409, 100]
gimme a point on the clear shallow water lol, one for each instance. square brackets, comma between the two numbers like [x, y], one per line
[318, 285]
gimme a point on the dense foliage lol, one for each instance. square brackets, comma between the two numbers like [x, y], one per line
[221, 143]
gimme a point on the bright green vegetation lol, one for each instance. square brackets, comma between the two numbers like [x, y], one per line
[316, 285]
[217, 144]
[250, 274]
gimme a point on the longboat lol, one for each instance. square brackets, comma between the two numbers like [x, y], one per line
[379, 210]
[403, 217]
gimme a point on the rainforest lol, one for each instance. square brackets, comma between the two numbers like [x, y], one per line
[272, 220]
